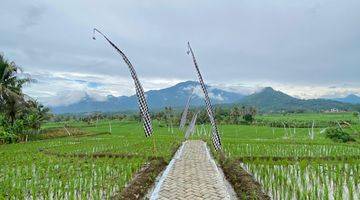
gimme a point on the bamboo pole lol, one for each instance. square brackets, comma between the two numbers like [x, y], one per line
[67, 131]
[154, 145]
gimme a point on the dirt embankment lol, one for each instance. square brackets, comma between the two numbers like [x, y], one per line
[61, 132]
[244, 184]
[94, 155]
[145, 178]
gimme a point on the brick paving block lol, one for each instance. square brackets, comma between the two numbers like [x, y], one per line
[193, 175]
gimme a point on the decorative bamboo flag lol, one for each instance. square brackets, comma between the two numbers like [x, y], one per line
[169, 119]
[191, 127]
[203, 130]
[144, 111]
[215, 135]
[184, 114]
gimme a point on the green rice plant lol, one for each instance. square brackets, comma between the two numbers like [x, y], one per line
[28, 171]
[314, 181]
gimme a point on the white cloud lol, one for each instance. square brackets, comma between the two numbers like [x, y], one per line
[65, 97]
[283, 41]
[313, 92]
[217, 97]
[64, 88]
[241, 88]
[309, 91]
[292, 45]
[197, 90]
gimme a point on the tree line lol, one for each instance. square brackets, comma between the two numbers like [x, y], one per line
[169, 116]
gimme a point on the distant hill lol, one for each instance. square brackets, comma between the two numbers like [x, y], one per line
[351, 98]
[175, 96]
[269, 100]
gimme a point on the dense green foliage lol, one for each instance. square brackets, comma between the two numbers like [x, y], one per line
[19, 114]
[248, 118]
[338, 135]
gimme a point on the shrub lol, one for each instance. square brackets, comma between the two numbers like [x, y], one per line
[8, 138]
[248, 118]
[356, 114]
[11, 132]
[338, 135]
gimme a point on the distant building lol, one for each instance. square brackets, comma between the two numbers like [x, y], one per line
[333, 110]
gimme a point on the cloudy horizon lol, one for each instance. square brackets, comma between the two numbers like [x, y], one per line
[307, 49]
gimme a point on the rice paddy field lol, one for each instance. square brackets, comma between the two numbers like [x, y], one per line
[287, 162]
[291, 165]
[310, 116]
[50, 169]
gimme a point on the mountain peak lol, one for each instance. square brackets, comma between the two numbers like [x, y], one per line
[270, 92]
[87, 97]
[351, 98]
[269, 99]
[186, 84]
[110, 96]
[268, 89]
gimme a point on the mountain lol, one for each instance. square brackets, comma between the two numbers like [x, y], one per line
[175, 96]
[269, 100]
[351, 98]
[266, 100]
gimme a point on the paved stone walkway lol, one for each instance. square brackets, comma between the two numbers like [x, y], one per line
[192, 174]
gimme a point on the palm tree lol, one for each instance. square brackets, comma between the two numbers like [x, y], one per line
[37, 114]
[11, 96]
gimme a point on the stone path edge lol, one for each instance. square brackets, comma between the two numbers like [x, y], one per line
[153, 193]
[231, 192]
[158, 184]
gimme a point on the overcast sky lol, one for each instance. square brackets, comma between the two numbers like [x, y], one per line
[306, 48]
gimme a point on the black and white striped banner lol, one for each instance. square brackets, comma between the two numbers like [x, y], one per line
[215, 134]
[139, 90]
[184, 114]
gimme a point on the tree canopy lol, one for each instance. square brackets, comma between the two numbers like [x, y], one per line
[19, 113]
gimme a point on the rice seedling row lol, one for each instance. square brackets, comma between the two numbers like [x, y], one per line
[26, 172]
[308, 181]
